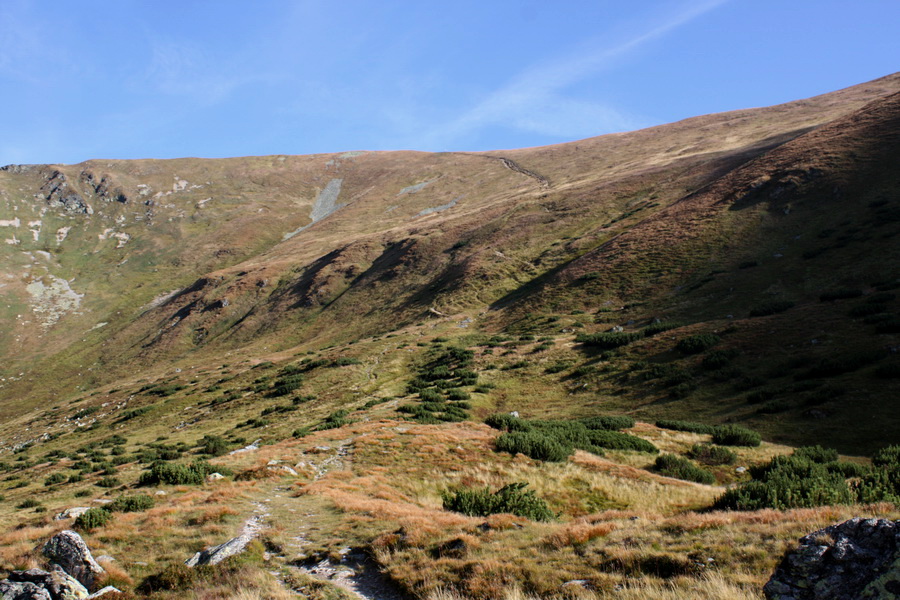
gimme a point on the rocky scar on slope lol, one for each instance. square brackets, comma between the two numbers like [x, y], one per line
[859, 558]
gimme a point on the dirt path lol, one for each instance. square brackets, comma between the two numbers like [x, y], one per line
[356, 573]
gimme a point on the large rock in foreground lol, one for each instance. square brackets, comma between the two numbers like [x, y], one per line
[59, 584]
[19, 590]
[69, 551]
[858, 559]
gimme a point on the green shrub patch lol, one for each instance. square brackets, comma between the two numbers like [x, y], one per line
[92, 519]
[512, 498]
[709, 454]
[735, 435]
[688, 426]
[556, 440]
[697, 343]
[678, 467]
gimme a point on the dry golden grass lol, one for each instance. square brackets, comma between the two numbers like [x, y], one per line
[625, 531]
[578, 533]
[711, 586]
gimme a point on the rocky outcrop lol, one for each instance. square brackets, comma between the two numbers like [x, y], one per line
[59, 584]
[59, 194]
[69, 551]
[71, 513]
[216, 554]
[859, 559]
[103, 591]
[72, 573]
[16, 590]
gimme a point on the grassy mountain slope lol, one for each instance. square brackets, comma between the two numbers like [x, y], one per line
[358, 316]
[145, 262]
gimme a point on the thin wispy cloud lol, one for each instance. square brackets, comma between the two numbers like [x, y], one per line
[535, 101]
[187, 70]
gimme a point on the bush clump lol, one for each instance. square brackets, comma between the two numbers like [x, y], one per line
[711, 455]
[843, 294]
[718, 359]
[534, 445]
[678, 467]
[214, 445]
[771, 308]
[695, 344]
[886, 457]
[54, 479]
[177, 474]
[882, 483]
[817, 454]
[92, 519]
[735, 435]
[615, 440]
[658, 327]
[131, 503]
[788, 482]
[688, 426]
[512, 498]
[611, 423]
[607, 340]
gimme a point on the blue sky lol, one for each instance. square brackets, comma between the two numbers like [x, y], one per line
[215, 78]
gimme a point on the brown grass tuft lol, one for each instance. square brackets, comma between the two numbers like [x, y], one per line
[578, 533]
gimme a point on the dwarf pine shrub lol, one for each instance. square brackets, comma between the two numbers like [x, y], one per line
[658, 327]
[54, 479]
[177, 474]
[131, 503]
[735, 435]
[507, 422]
[886, 457]
[817, 454]
[688, 426]
[717, 359]
[788, 482]
[612, 423]
[615, 440]
[709, 454]
[697, 343]
[607, 340]
[214, 445]
[92, 519]
[512, 498]
[771, 308]
[842, 294]
[534, 445]
[678, 467]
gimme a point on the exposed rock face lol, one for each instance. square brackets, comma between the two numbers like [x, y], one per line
[859, 559]
[69, 551]
[59, 195]
[13, 590]
[103, 591]
[216, 554]
[71, 513]
[58, 584]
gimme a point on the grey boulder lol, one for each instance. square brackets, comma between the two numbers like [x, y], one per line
[69, 551]
[858, 559]
[19, 590]
[59, 584]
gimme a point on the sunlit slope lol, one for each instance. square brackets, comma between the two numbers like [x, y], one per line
[113, 268]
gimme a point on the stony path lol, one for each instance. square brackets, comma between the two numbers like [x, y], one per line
[356, 573]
